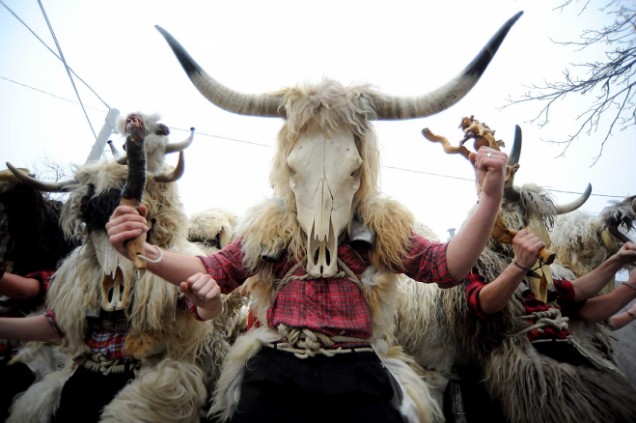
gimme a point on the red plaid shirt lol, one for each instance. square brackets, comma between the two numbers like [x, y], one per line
[333, 306]
[564, 301]
[107, 336]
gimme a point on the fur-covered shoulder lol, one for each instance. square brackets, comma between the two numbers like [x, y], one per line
[392, 224]
[267, 229]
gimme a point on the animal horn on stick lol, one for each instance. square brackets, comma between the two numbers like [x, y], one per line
[132, 194]
[484, 136]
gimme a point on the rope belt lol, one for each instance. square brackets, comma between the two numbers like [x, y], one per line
[304, 343]
[99, 364]
[551, 317]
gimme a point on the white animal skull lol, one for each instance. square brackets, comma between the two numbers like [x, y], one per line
[325, 175]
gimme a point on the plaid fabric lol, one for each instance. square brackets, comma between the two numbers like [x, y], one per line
[426, 262]
[44, 277]
[333, 306]
[107, 335]
[564, 300]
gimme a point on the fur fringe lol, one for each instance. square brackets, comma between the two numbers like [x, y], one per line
[38, 403]
[170, 392]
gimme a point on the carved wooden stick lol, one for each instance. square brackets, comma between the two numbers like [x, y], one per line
[136, 181]
[502, 234]
[484, 136]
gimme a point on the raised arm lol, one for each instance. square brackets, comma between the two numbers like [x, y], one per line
[466, 246]
[494, 296]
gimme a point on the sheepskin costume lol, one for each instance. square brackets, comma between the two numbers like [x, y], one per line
[392, 225]
[179, 356]
[525, 385]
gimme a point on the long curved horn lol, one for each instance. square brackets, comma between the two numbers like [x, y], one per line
[175, 174]
[393, 107]
[510, 192]
[570, 207]
[64, 186]
[178, 146]
[6, 175]
[515, 152]
[264, 105]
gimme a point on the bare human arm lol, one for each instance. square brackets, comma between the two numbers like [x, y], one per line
[466, 246]
[30, 328]
[602, 307]
[19, 287]
[494, 296]
[589, 284]
[186, 272]
[622, 318]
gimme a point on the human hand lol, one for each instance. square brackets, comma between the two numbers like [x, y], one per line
[526, 246]
[126, 223]
[490, 169]
[627, 254]
[204, 292]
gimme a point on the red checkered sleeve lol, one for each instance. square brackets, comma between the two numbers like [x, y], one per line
[566, 296]
[426, 262]
[473, 284]
[50, 316]
[44, 278]
[226, 266]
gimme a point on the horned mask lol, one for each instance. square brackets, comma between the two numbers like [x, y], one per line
[327, 172]
[324, 177]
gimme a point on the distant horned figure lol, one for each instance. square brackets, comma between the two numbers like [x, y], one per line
[583, 241]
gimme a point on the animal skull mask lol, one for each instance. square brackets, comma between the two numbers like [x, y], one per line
[325, 165]
[324, 176]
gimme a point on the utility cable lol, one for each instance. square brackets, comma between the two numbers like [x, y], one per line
[54, 53]
[59, 49]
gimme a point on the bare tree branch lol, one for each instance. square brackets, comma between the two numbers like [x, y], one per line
[607, 86]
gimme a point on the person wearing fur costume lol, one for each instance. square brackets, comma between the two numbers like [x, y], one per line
[528, 361]
[140, 351]
[322, 348]
[325, 306]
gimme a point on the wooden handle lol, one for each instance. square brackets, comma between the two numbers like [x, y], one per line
[501, 233]
[135, 246]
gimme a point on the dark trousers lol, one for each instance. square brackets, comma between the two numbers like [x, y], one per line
[16, 378]
[86, 392]
[278, 387]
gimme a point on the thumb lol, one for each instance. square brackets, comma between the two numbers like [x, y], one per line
[184, 287]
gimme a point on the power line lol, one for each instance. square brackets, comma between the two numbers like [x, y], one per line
[53, 53]
[59, 49]
[439, 175]
[47, 92]
[206, 134]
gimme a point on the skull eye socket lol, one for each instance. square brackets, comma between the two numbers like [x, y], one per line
[356, 168]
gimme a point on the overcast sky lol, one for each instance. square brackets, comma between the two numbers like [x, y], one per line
[403, 47]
